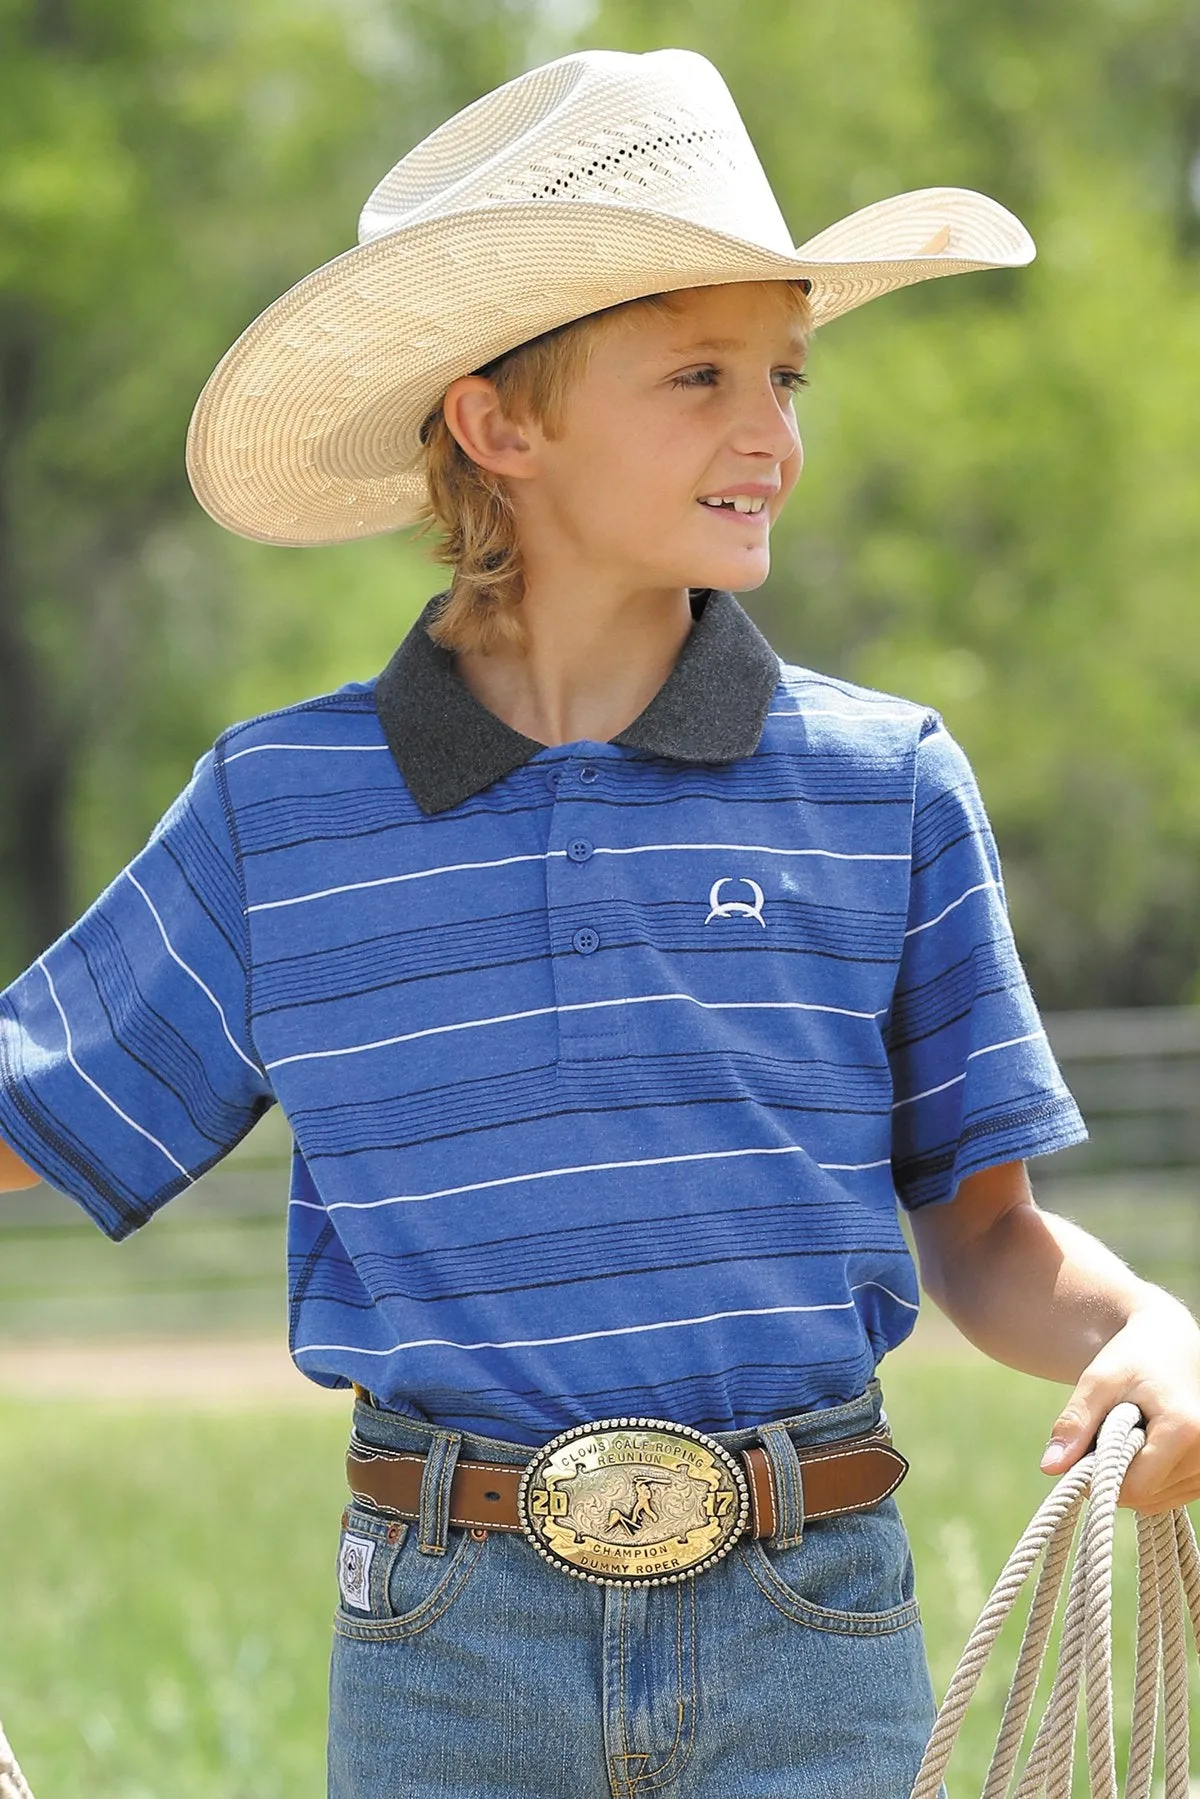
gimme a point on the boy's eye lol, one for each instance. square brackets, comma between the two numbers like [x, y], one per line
[792, 379]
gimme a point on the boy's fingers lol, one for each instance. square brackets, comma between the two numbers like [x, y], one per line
[1167, 1472]
[1075, 1427]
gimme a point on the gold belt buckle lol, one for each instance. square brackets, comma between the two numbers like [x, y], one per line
[633, 1502]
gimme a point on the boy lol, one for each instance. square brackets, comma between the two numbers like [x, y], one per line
[614, 980]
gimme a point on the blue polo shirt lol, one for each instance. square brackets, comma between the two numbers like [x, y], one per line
[606, 1063]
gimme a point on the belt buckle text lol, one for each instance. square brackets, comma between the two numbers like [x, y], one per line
[638, 1502]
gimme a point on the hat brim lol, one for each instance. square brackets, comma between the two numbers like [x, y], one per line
[307, 430]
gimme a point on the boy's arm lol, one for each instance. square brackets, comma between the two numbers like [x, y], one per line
[1039, 1294]
[13, 1172]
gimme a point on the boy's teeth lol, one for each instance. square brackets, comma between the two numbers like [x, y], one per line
[739, 503]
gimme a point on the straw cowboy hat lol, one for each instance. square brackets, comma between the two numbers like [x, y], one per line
[590, 181]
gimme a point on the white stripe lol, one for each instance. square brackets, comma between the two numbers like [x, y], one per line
[867, 710]
[1009, 1043]
[131, 1122]
[853, 1167]
[983, 887]
[623, 1330]
[591, 1005]
[906, 1303]
[757, 849]
[929, 1092]
[641, 849]
[333, 749]
[419, 874]
[989, 1049]
[546, 1174]
[550, 1174]
[204, 988]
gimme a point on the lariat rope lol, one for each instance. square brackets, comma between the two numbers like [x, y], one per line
[13, 1784]
[1168, 1573]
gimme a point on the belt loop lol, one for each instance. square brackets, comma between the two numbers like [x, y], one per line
[788, 1484]
[433, 1525]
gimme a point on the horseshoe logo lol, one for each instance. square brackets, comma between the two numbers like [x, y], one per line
[719, 908]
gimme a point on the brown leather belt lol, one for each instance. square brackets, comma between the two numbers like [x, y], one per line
[847, 1476]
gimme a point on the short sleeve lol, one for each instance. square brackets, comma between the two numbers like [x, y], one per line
[975, 1083]
[126, 1066]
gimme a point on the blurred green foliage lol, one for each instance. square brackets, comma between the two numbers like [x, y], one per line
[999, 515]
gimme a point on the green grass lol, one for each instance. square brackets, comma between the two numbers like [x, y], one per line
[164, 1607]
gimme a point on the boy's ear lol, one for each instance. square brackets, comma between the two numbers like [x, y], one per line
[477, 421]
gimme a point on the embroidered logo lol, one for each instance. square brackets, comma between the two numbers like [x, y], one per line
[354, 1571]
[736, 908]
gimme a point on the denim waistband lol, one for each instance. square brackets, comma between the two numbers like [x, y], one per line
[394, 1430]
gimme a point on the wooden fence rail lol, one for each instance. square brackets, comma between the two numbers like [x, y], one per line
[1136, 1075]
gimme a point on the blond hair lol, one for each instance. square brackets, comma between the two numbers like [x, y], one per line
[470, 508]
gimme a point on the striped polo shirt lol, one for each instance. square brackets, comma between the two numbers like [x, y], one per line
[606, 1063]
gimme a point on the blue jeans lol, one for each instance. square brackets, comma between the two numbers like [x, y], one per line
[466, 1668]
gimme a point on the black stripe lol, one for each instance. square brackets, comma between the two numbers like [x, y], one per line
[920, 868]
[563, 955]
[464, 1130]
[378, 1294]
[218, 1134]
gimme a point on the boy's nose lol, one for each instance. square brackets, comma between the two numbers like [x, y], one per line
[767, 427]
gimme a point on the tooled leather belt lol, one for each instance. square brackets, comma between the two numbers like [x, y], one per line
[635, 1500]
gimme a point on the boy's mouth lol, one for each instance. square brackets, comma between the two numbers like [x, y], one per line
[742, 503]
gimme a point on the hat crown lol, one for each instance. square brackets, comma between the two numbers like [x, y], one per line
[656, 132]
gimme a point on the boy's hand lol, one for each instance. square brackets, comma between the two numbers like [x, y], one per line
[1038, 1293]
[13, 1172]
[1154, 1361]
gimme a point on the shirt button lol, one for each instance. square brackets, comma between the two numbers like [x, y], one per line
[586, 941]
[553, 778]
[589, 774]
[579, 850]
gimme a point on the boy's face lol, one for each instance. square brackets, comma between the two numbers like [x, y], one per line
[673, 412]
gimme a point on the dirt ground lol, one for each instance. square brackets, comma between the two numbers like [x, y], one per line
[201, 1372]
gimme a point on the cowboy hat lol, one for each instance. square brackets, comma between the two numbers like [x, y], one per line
[593, 180]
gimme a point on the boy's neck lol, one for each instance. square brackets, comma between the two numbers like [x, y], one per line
[591, 662]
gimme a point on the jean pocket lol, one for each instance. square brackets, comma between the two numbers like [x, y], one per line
[851, 1575]
[387, 1589]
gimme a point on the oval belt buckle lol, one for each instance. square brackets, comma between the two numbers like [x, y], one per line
[635, 1502]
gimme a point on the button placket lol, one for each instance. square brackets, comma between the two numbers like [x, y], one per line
[577, 882]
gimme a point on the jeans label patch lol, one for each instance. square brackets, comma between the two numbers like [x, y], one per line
[354, 1571]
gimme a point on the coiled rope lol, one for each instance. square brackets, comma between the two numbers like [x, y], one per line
[13, 1784]
[1168, 1573]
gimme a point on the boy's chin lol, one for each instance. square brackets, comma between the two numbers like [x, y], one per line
[741, 577]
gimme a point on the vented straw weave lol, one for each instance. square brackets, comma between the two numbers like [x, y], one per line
[588, 182]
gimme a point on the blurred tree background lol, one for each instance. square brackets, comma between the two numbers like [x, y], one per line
[999, 515]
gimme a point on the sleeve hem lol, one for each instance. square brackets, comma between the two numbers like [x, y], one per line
[56, 1162]
[59, 1164]
[1039, 1130]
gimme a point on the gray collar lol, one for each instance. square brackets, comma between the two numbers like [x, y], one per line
[448, 747]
